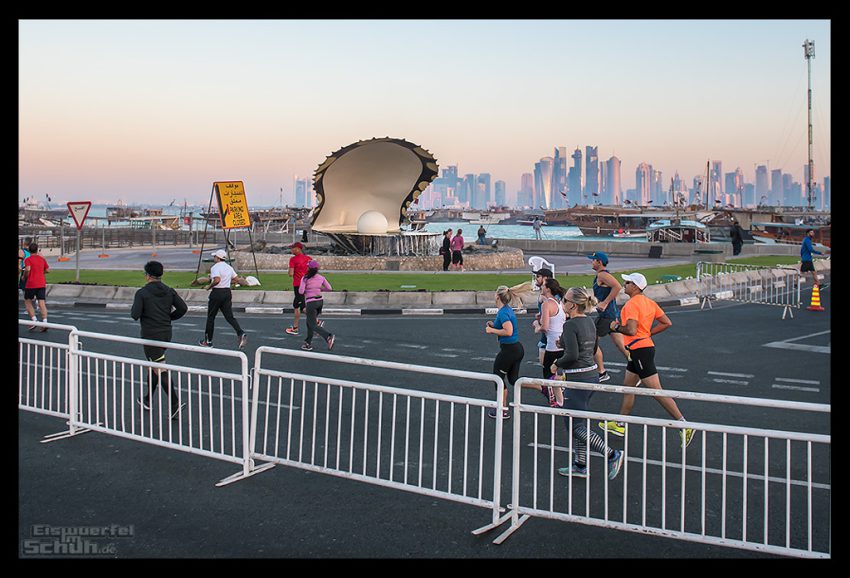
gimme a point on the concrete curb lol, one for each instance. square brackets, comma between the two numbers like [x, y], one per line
[674, 294]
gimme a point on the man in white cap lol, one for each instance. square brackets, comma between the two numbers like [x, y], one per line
[636, 324]
[221, 298]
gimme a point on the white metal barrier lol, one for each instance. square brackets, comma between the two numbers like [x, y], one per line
[749, 284]
[43, 372]
[428, 443]
[749, 488]
[105, 394]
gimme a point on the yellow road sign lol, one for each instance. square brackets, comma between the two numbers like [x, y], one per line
[232, 204]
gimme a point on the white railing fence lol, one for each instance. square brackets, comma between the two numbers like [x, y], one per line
[429, 443]
[778, 286]
[750, 488]
[43, 372]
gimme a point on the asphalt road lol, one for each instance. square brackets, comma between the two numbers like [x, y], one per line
[170, 500]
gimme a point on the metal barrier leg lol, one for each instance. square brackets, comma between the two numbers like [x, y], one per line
[243, 474]
[514, 527]
[64, 434]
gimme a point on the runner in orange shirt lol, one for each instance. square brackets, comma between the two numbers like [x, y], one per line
[636, 324]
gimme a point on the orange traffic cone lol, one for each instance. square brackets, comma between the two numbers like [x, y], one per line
[815, 306]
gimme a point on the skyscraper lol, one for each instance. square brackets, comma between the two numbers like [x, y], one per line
[484, 190]
[500, 197]
[559, 178]
[613, 189]
[659, 193]
[777, 188]
[763, 190]
[525, 197]
[591, 164]
[469, 188]
[302, 197]
[574, 196]
[543, 183]
[643, 184]
[715, 183]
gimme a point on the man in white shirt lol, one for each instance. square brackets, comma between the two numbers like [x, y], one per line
[221, 298]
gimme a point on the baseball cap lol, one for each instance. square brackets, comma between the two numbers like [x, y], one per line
[298, 244]
[544, 272]
[312, 264]
[637, 279]
[603, 257]
[221, 254]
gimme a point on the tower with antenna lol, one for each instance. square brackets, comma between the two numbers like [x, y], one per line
[809, 53]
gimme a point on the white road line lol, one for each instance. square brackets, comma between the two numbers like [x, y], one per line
[789, 380]
[807, 336]
[798, 347]
[796, 387]
[444, 355]
[672, 464]
[732, 381]
[731, 374]
[621, 364]
[412, 345]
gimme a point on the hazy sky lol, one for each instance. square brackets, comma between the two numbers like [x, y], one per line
[155, 110]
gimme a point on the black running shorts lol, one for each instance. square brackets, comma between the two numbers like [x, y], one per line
[642, 362]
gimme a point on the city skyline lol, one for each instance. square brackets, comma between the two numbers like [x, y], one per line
[107, 113]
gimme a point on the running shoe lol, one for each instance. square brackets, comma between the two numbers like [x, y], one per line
[242, 340]
[330, 341]
[604, 376]
[33, 327]
[573, 470]
[549, 392]
[615, 463]
[687, 435]
[506, 413]
[176, 412]
[613, 427]
[291, 330]
[205, 343]
[42, 329]
[306, 346]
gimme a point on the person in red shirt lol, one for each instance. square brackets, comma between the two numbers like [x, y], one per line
[35, 286]
[640, 319]
[297, 270]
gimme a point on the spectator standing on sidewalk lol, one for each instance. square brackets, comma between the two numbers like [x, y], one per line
[457, 251]
[221, 299]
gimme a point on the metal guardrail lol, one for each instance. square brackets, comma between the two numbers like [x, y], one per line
[749, 488]
[778, 286]
[43, 372]
[428, 443]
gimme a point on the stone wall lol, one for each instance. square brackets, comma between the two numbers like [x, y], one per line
[478, 259]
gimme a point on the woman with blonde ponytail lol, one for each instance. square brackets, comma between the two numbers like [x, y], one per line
[509, 359]
[579, 341]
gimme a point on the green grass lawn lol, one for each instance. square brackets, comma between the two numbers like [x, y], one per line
[366, 281]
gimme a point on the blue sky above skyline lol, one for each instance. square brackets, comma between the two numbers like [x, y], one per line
[153, 110]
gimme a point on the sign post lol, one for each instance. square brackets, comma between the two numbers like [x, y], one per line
[79, 211]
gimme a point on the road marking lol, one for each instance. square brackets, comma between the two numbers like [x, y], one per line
[621, 364]
[798, 347]
[788, 379]
[412, 345]
[796, 388]
[732, 381]
[731, 374]
[807, 336]
[445, 355]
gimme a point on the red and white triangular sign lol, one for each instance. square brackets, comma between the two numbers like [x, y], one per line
[79, 212]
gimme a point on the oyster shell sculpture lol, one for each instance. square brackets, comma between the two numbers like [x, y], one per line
[367, 187]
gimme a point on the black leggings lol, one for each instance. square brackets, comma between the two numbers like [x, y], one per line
[313, 310]
[508, 361]
[447, 259]
[549, 358]
[221, 299]
[583, 434]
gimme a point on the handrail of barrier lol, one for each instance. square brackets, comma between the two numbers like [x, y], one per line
[495, 379]
[692, 395]
[771, 513]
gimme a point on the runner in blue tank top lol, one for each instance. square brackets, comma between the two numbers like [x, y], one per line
[605, 289]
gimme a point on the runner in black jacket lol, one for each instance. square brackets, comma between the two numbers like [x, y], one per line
[156, 305]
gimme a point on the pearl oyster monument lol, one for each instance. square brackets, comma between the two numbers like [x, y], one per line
[364, 191]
